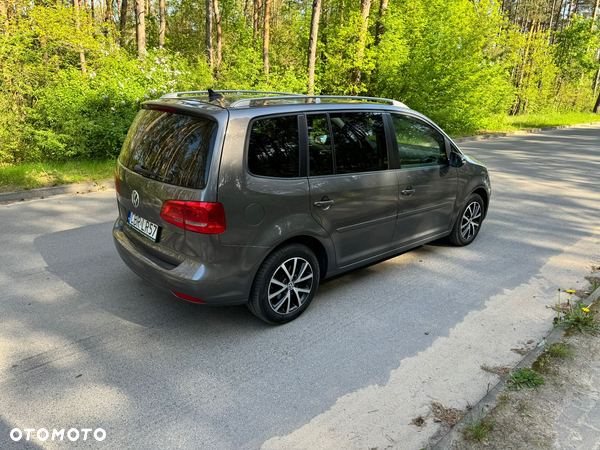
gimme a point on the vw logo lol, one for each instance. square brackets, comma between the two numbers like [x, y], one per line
[135, 198]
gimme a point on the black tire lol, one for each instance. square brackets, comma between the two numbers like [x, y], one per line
[460, 238]
[292, 257]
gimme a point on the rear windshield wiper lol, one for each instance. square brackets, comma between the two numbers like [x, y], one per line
[141, 169]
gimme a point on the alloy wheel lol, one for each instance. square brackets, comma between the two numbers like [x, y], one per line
[471, 220]
[290, 285]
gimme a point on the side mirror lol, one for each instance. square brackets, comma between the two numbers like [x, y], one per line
[456, 160]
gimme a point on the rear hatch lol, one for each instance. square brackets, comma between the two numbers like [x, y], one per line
[166, 156]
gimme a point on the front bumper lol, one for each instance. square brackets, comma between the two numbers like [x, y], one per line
[215, 284]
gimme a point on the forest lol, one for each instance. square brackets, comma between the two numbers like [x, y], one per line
[74, 72]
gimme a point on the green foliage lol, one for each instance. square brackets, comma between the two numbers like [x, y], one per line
[465, 64]
[479, 429]
[560, 350]
[578, 317]
[524, 377]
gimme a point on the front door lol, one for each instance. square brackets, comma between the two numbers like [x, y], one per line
[353, 194]
[427, 184]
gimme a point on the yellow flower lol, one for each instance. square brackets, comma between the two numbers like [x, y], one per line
[570, 291]
[585, 309]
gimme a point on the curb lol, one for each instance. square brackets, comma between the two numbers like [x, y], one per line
[75, 188]
[490, 400]
[484, 137]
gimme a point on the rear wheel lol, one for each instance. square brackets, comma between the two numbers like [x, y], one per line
[468, 223]
[285, 284]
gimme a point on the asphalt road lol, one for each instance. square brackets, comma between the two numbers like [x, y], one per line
[85, 343]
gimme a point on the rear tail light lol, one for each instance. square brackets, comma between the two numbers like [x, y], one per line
[199, 217]
[117, 183]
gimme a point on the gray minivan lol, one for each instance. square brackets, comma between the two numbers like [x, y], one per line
[234, 197]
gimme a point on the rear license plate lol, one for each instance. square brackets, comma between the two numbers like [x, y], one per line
[142, 225]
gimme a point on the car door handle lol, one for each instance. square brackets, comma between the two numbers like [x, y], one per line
[324, 203]
[408, 192]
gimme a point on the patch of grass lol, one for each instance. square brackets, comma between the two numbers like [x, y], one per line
[578, 317]
[525, 377]
[500, 124]
[479, 429]
[36, 175]
[560, 350]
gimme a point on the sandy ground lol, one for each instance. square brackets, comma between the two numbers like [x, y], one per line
[381, 417]
[563, 413]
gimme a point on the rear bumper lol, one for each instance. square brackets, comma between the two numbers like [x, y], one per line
[214, 284]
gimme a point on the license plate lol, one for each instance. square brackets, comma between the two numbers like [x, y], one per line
[142, 225]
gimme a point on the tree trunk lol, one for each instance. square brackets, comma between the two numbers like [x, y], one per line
[517, 106]
[365, 8]
[596, 81]
[569, 12]
[163, 23]
[595, 13]
[266, 36]
[140, 20]
[312, 45]
[255, 9]
[245, 12]
[108, 14]
[77, 6]
[4, 15]
[597, 105]
[379, 29]
[92, 8]
[123, 22]
[219, 35]
[148, 8]
[209, 52]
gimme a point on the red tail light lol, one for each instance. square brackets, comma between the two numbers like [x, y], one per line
[199, 217]
[117, 183]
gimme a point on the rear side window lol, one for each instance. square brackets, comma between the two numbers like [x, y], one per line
[359, 142]
[171, 148]
[419, 144]
[319, 142]
[274, 147]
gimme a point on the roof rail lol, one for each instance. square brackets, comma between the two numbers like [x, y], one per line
[317, 99]
[177, 94]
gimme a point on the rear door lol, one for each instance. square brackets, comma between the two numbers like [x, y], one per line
[353, 194]
[165, 156]
[427, 184]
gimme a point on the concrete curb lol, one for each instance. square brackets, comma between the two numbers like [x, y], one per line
[489, 402]
[75, 188]
[483, 137]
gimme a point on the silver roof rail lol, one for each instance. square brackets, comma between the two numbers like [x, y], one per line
[177, 94]
[317, 99]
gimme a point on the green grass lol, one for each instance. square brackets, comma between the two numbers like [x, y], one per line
[478, 430]
[515, 123]
[37, 175]
[560, 350]
[525, 377]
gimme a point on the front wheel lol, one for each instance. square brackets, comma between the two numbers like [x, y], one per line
[285, 284]
[468, 223]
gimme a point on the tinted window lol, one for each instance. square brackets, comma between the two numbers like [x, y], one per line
[274, 148]
[359, 142]
[319, 141]
[418, 143]
[175, 147]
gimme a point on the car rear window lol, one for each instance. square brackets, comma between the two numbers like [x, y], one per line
[172, 148]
